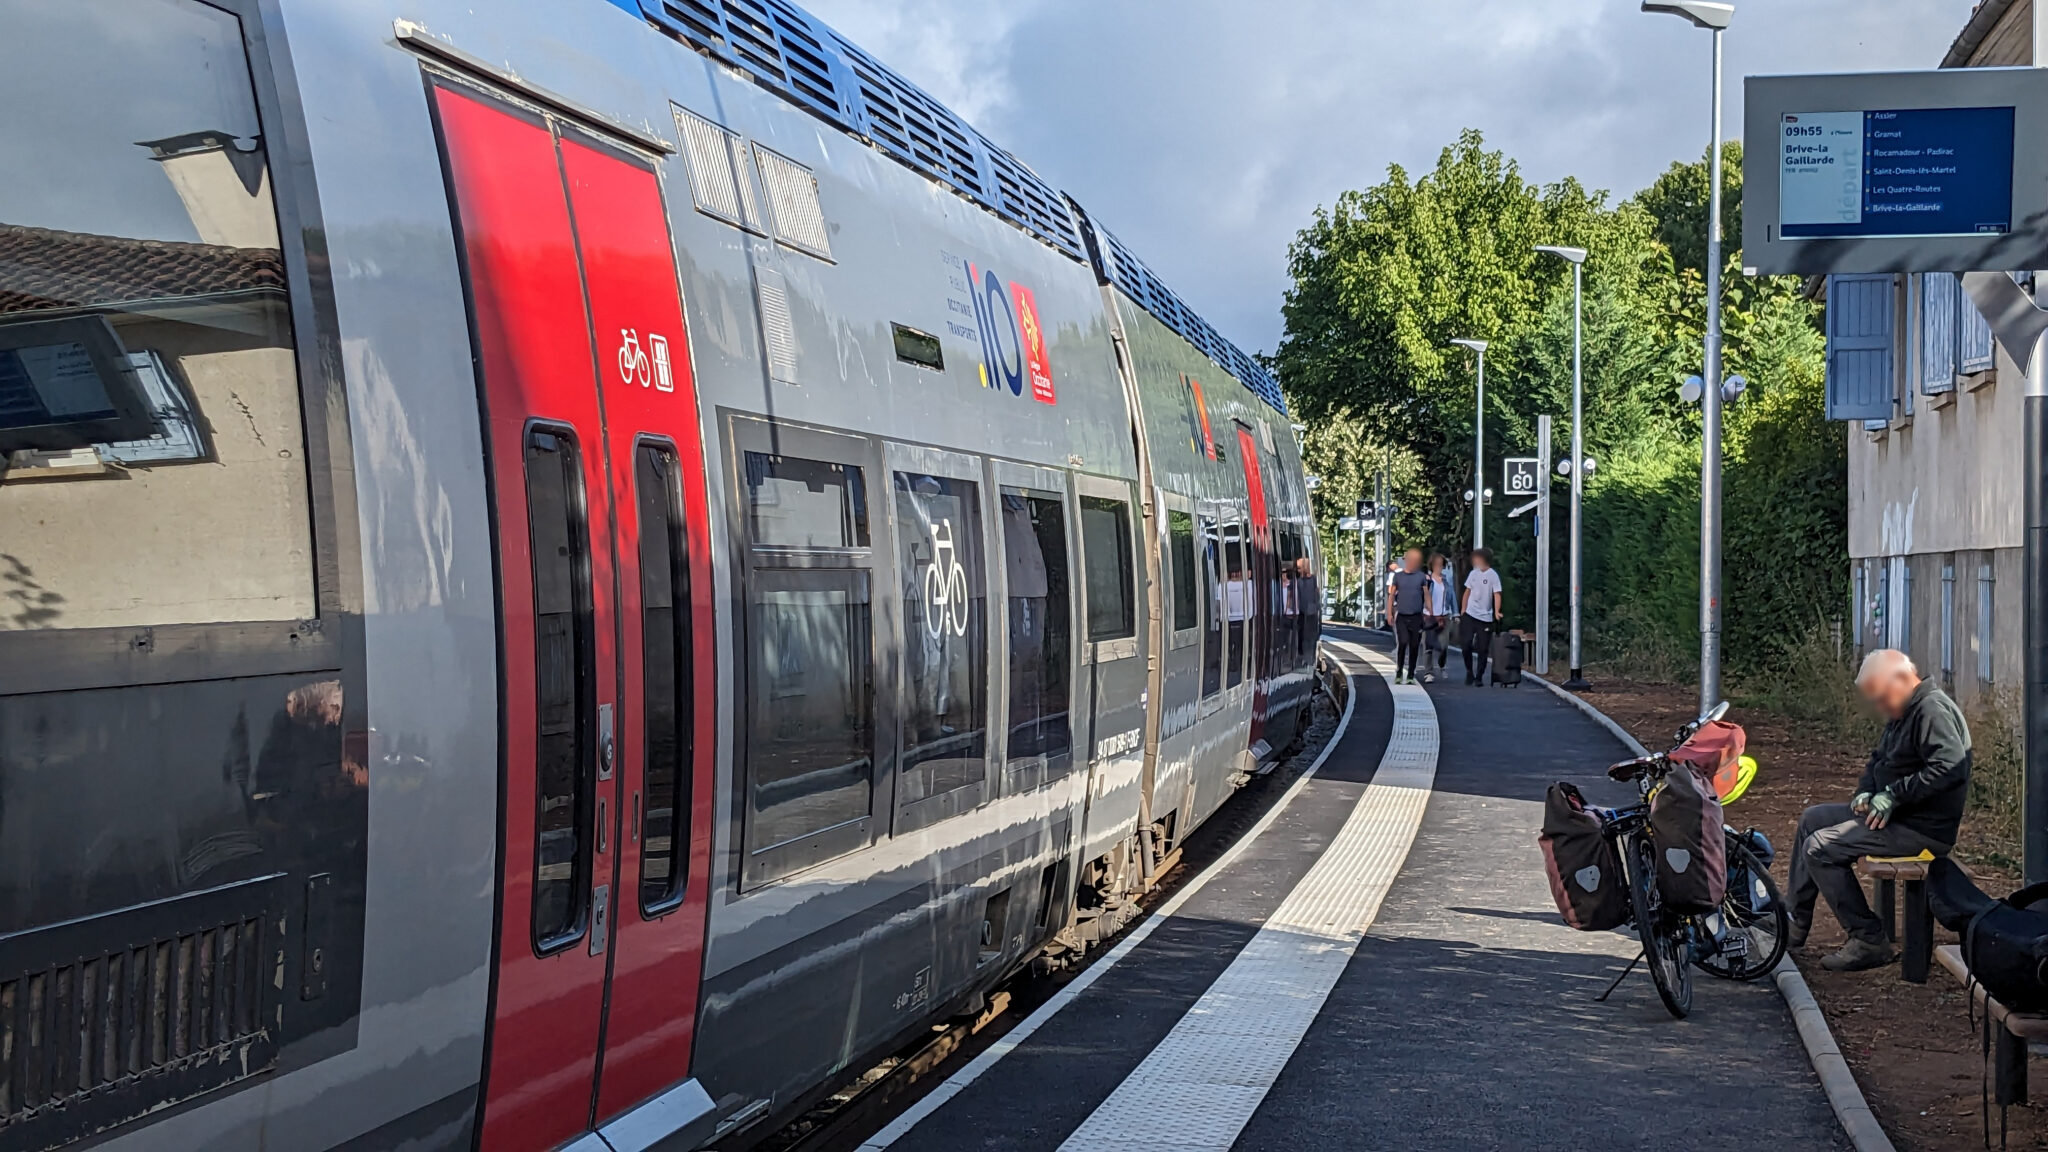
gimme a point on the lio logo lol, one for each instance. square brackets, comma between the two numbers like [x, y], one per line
[1012, 339]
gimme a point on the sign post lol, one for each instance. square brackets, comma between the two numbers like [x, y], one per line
[1541, 657]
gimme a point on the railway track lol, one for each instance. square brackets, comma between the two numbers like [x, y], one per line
[842, 1120]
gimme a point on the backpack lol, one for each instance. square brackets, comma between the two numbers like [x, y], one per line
[1585, 874]
[2005, 945]
[1692, 848]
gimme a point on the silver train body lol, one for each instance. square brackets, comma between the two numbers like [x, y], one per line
[409, 742]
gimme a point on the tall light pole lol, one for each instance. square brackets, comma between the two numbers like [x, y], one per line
[1714, 18]
[1478, 447]
[1577, 257]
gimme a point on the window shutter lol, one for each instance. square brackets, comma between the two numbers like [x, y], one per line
[1860, 346]
[1974, 352]
[1940, 297]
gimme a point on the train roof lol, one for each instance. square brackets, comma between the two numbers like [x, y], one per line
[795, 55]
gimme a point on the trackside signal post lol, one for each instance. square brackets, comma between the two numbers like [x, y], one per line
[1925, 172]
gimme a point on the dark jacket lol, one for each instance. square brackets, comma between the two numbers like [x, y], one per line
[1923, 759]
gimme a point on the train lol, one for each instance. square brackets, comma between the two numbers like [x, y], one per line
[574, 574]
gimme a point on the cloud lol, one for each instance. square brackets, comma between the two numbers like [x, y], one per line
[1204, 132]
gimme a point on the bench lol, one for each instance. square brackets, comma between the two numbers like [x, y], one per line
[1916, 947]
[2010, 1032]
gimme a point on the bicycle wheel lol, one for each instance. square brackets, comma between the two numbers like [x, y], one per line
[1663, 936]
[1755, 925]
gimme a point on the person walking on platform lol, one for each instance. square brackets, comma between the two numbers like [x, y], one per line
[1482, 608]
[1909, 800]
[1438, 608]
[1407, 602]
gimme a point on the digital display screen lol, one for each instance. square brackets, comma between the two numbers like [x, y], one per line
[1896, 172]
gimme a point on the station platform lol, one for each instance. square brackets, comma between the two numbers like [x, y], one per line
[1378, 965]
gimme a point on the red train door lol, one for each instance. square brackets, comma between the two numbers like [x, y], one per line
[597, 489]
[1260, 608]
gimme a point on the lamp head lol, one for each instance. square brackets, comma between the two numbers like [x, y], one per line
[1703, 13]
[1575, 255]
[1478, 346]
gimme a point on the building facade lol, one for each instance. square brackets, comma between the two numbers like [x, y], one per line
[1934, 425]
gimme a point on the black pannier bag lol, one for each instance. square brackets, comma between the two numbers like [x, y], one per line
[1692, 848]
[2005, 942]
[1585, 874]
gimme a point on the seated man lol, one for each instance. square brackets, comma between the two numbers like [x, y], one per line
[1909, 799]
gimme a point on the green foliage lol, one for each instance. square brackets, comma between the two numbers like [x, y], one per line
[1386, 277]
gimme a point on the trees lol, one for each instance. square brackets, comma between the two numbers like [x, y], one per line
[1386, 277]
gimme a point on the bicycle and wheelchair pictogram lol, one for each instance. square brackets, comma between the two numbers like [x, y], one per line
[945, 585]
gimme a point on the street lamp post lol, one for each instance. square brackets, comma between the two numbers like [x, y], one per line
[1577, 257]
[1714, 18]
[1478, 447]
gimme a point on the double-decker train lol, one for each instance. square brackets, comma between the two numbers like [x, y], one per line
[573, 573]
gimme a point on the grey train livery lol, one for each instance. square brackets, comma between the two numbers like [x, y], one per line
[573, 574]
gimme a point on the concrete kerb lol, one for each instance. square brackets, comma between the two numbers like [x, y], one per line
[1857, 1121]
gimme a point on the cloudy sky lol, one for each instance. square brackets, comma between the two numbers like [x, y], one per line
[1204, 132]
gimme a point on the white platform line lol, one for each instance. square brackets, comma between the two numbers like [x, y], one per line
[1200, 1086]
[937, 1097]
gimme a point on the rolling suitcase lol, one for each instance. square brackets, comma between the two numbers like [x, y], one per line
[1507, 659]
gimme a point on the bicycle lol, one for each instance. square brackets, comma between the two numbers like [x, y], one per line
[1744, 936]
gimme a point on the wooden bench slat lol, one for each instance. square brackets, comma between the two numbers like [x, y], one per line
[2025, 1025]
[1895, 867]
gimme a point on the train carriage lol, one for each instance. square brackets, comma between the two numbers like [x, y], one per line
[571, 575]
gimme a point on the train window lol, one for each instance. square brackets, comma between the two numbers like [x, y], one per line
[798, 503]
[1041, 631]
[810, 704]
[143, 299]
[1237, 594]
[1106, 559]
[1187, 605]
[944, 708]
[562, 688]
[919, 348]
[666, 678]
[1212, 585]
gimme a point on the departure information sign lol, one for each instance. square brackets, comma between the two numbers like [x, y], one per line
[1896, 172]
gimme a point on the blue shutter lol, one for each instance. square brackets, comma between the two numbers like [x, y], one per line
[1860, 346]
[1974, 342]
[1940, 297]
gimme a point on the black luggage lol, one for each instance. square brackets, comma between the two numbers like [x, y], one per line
[2005, 942]
[1506, 659]
[1585, 874]
[1692, 848]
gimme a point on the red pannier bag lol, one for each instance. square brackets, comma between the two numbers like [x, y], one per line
[1585, 874]
[1686, 823]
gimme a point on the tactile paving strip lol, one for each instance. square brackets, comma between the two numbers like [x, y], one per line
[1200, 1086]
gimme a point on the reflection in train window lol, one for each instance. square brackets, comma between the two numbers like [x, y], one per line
[944, 709]
[1212, 586]
[1237, 593]
[810, 703]
[666, 680]
[1187, 605]
[1041, 632]
[562, 667]
[1106, 558]
[147, 212]
[798, 503]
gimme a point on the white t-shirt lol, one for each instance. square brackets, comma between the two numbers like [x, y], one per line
[1440, 595]
[1481, 585]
